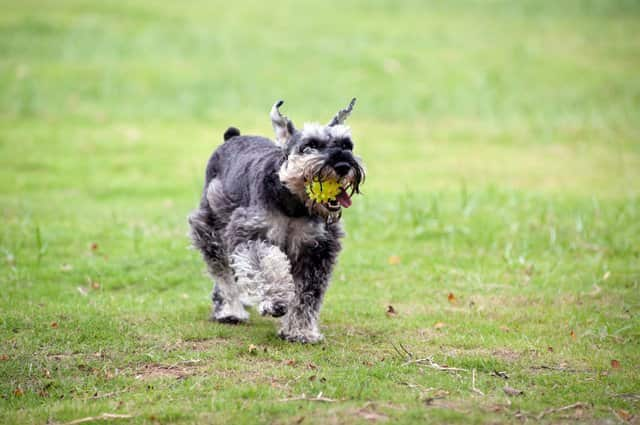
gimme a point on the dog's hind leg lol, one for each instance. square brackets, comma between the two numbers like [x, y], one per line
[227, 307]
[263, 273]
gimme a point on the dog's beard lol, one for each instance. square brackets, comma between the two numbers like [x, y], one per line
[299, 170]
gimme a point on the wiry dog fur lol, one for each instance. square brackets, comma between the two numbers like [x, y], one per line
[263, 240]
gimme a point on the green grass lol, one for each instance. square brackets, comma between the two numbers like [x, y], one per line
[503, 149]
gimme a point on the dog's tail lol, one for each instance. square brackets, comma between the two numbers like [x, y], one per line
[231, 132]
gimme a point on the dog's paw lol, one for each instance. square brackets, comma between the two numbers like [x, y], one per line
[228, 320]
[228, 315]
[302, 336]
[275, 309]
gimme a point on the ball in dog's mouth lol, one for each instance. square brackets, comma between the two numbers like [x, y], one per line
[330, 193]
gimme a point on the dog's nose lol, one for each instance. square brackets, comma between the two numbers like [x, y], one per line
[342, 168]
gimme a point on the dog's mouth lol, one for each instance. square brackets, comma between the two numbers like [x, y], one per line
[331, 188]
[342, 200]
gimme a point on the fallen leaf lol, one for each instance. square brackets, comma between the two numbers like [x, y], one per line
[550, 349]
[606, 275]
[18, 392]
[94, 246]
[452, 298]
[615, 364]
[3, 357]
[95, 285]
[573, 334]
[504, 328]
[253, 349]
[394, 260]
[391, 311]
[512, 392]
[312, 366]
[312, 378]
[624, 415]
[290, 362]
[54, 325]
[439, 325]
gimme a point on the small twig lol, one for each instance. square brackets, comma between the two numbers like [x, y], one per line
[397, 351]
[102, 417]
[428, 361]
[319, 397]
[577, 405]
[189, 362]
[417, 387]
[473, 383]
[409, 354]
[629, 396]
[557, 369]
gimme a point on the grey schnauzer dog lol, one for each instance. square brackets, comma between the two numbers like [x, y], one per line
[264, 240]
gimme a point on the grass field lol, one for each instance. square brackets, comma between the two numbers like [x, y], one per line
[501, 215]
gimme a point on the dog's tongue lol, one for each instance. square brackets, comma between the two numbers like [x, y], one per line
[344, 199]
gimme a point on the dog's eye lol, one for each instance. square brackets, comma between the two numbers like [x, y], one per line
[310, 146]
[345, 144]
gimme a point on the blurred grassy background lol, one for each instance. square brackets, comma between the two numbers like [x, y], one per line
[503, 149]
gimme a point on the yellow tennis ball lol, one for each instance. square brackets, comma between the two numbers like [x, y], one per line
[323, 191]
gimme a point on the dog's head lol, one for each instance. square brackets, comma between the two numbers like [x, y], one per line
[319, 152]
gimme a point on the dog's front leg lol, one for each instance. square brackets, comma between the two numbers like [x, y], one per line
[263, 272]
[311, 274]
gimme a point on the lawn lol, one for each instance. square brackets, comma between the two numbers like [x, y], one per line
[491, 270]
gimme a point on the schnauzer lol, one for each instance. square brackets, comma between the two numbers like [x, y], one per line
[264, 240]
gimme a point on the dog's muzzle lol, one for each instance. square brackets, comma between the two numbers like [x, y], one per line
[342, 168]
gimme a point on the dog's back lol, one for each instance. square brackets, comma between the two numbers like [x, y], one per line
[241, 164]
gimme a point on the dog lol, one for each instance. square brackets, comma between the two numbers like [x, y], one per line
[264, 240]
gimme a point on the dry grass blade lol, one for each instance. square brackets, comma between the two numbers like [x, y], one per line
[102, 417]
[577, 405]
[473, 383]
[319, 398]
[629, 396]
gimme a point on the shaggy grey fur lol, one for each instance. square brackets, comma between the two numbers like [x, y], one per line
[263, 240]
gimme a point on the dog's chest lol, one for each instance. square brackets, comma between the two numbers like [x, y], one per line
[292, 234]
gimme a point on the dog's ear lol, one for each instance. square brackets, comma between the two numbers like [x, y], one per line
[282, 126]
[342, 114]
